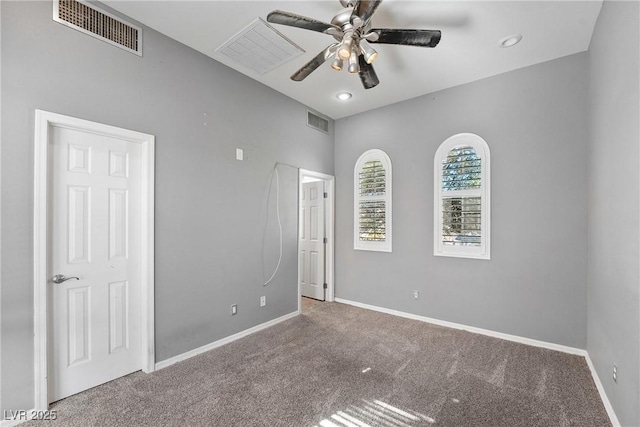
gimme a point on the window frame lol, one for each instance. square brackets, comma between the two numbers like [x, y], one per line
[379, 246]
[483, 251]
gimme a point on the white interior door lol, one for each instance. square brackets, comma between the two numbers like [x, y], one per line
[95, 235]
[312, 247]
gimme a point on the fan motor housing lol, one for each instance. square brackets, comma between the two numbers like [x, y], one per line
[342, 19]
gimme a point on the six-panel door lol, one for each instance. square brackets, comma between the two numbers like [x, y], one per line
[94, 218]
[312, 247]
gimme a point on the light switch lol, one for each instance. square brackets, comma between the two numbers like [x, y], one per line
[239, 154]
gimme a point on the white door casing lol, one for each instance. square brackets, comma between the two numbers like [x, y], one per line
[304, 176]
[312, 236]
[93, 220]
[95, 236]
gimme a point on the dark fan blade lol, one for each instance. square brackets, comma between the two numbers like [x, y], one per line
[298, 21]
[364, 9]
[367, 74]
[424, 38]
[311, 66]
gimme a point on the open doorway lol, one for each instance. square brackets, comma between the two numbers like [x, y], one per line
[316, 236]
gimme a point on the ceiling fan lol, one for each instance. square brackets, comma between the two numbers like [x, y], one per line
[351, 27]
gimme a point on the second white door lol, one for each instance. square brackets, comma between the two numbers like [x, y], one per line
[95, 237]
[312, 240]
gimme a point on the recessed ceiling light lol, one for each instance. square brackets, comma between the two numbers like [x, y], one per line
[343, 96]
[511, 40]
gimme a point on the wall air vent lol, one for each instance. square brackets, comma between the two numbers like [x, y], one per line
[95, 22]
[260, 48]
[317, 122]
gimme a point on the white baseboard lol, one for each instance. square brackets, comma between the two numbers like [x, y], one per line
[508, 337]
[603, 395]
[11, 423]
[223, 341]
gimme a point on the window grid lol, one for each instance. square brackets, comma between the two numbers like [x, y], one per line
[373, 227]
[461, 223]
[461, 216]
[461, 192]
[461, 170]
[372, 201]
[373, 179]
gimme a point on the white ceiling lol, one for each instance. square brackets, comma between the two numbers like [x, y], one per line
[468, 49]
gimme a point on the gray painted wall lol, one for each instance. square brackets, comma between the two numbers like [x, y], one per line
[614, 206]
[535, 122]
[211, 210]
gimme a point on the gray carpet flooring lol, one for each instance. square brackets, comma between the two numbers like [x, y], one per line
[337, 365]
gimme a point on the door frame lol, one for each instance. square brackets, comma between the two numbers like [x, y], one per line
[329, 215]
[44, 122]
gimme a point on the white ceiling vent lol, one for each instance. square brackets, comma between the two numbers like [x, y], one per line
[260, 48]
[317, 122]
[98, 23]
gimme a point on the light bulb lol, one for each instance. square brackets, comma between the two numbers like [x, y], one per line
[368, 52]
[345, 48]
[354, 67]
[337, 64]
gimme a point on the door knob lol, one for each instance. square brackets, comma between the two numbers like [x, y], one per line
[59, 278]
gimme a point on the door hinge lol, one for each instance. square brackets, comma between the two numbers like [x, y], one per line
[325, 241]
[324, 285]
[326, 195]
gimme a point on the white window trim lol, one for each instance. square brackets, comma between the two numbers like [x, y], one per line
[367, 156]
[482, 149]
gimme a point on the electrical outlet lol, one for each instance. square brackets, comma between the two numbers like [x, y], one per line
[416, 295]
[234, 309]
[615, 373]
[263, 301]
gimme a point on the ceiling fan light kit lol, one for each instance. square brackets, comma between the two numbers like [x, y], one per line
[351, 27]
[354, 68]
[337, 64]
[369, 53]
[346, 46]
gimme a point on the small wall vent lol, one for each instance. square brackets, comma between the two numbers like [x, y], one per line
[98, 23]
[317, 122]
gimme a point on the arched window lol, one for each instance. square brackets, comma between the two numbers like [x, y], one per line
[372, 202]
[462, 197]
